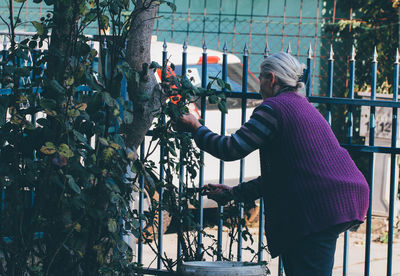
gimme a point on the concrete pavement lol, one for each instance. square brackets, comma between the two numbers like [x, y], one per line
[355, 260]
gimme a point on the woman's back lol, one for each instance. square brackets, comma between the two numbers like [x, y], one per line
[310, 177]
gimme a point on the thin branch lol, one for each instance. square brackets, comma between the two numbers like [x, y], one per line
[5, 22]
[153, 150]
[12, 26]
[58, 250]
[20, 9]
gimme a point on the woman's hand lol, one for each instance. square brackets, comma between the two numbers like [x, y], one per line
[221, 193]
[187, 123]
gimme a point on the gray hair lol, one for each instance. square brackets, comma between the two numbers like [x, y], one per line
[288, 70]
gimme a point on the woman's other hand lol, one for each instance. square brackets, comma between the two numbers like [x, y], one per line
[221, 193]
[187, 123]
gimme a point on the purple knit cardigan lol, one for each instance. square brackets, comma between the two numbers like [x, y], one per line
[308, 181]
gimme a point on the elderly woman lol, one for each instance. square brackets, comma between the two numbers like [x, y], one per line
[312, 189]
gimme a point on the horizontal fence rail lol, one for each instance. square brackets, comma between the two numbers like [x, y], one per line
[351, 103]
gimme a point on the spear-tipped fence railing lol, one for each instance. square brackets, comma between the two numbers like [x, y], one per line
[350, 102]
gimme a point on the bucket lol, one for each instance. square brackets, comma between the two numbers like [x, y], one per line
[222, 268]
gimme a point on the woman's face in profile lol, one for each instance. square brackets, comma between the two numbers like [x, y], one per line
[266, 85]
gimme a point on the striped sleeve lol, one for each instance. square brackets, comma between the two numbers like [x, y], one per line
[247, 191]
[261, 127]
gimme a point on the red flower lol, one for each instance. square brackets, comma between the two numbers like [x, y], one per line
[175, 98]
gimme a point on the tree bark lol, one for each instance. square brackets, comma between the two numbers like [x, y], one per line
[138, 57]
[62, 36]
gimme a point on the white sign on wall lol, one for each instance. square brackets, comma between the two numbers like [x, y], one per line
[383, 122]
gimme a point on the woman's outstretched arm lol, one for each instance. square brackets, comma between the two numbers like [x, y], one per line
[260, 128]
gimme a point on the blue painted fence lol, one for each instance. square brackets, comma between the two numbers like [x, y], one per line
[350, 102]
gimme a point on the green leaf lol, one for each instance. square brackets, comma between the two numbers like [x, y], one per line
[122, 246]
[72, 184]
[23, 55]
[112, 225]
[103, 141]
[91, 16]
[104, 22]
[126, 4]
[65, 151]
[222, 107]
[154, 64]
[32, 44]
[172, 6]
[4, 100]
[108, 153]
[48, 103]
[57, 86]
[221, 83]
[38, 26]
[80, 136]
[222, 95]
[135, 223]
[110, 183]
[134, 169]
[110, 101]
[83, 10]
[213, 99]
[114, 9]
[103, 4]
[119, 140]
[114, 198]
[48, 148]
[56, 180]
[172, 151]
[116, 85]
[128, 117]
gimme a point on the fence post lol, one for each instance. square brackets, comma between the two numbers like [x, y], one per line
[261, 218]
[242, 161]
[371, 163]
[350, 140]
[181, 167]
[201, 171]
[309, 72]
[266, 50]
[330, 85]
[221, 163]
[141, 201]
[289, 49]
[393, 164]
[161, 190]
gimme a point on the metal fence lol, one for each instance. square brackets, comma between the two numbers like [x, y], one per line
[350, 104]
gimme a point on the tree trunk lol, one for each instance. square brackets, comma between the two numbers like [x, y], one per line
[62, 36]
[138, 57]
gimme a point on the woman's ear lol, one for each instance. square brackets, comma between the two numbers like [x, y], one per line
[272, 76]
